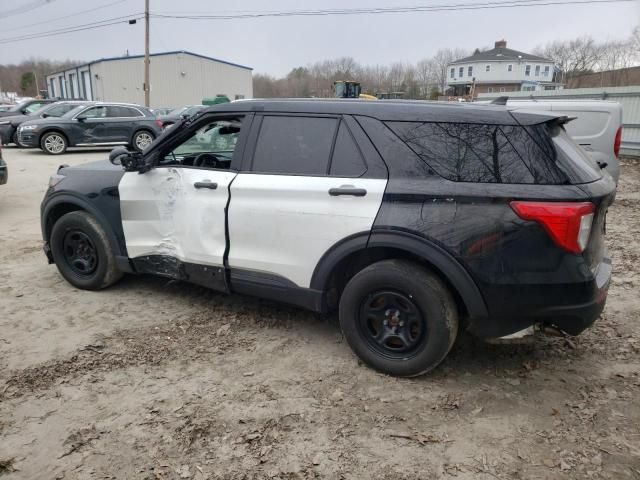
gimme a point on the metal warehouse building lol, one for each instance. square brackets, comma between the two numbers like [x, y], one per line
[176, 78]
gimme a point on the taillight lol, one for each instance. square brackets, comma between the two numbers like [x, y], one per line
[567, 223]
[617, 141]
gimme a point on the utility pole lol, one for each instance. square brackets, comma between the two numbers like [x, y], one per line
[147, 87]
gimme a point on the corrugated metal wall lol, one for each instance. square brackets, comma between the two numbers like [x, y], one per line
[176, 79]
[628, 97]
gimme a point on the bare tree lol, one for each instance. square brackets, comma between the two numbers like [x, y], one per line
[441, 60]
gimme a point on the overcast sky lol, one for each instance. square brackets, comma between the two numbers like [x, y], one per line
[275, 45]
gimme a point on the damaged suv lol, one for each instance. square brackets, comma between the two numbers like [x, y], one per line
[412, 220]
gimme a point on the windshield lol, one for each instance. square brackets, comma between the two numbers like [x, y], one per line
[187, 111]
[18, 106]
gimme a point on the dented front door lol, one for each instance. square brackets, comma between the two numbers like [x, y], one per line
[174, 217]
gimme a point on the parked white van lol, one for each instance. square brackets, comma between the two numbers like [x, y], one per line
[597, 126]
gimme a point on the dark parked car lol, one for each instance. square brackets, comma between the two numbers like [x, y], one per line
[4, 171]
[96, 124]
[180, 113]
[9, 125]
[412, 220]
[27, 107]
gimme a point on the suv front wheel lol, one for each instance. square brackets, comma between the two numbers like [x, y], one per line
[398, 317]
[82, 252]
[53, 143]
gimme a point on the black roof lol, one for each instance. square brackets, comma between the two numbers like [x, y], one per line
[390, 110]
[501, 54]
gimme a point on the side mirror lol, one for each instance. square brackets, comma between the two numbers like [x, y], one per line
[131, 161]
[45, 115]
[115, 157]
[81, 118]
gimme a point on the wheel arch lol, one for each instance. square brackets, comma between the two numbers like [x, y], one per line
[143, 129]
[57, 130]
[342, 261]
[62, 204]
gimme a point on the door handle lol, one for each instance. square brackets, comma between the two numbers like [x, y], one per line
[206, 184]
[347, 190]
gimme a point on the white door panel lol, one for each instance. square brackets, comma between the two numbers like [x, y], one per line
[164, 214]
[283, 224]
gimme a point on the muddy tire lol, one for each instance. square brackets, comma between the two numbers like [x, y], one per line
[82, 252]
[398, 317]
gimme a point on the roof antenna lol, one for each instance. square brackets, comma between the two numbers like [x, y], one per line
[500, 101]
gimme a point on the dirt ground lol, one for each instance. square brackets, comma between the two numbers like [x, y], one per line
[152, 379]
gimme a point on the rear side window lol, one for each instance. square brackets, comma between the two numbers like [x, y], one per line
[118, 111]
[294, 145]
[490, 153]
[347, 160]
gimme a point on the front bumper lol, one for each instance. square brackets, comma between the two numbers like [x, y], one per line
[571, 308]
[4, 171]
[28, 138]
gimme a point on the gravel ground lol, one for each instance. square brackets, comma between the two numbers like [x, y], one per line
[152, 379]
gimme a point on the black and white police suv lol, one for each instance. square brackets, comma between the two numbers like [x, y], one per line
[412, 220]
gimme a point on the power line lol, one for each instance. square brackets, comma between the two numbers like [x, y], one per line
[319, 12]
[51, 20]
[384, 10]
[24, 8]
[76, 28]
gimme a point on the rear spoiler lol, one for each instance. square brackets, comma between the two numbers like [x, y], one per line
[500, 101]
[562, 120]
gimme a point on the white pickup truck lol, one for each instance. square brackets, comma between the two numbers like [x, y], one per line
[597, 126]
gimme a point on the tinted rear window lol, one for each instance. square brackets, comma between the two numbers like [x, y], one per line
[464, 152]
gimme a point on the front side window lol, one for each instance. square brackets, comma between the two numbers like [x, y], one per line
[294, 145]
[210, 146]
[59, 110]
[95, 112]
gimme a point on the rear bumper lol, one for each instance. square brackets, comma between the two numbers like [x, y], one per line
[6, 131]
[570, 307]
[4, 172]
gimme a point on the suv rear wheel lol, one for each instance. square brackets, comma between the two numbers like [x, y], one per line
[82, 252]
[398, 317]
[53, 143]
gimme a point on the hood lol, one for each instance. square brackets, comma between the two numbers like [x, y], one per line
[17, 118]
[10, 114]
[95, 166]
